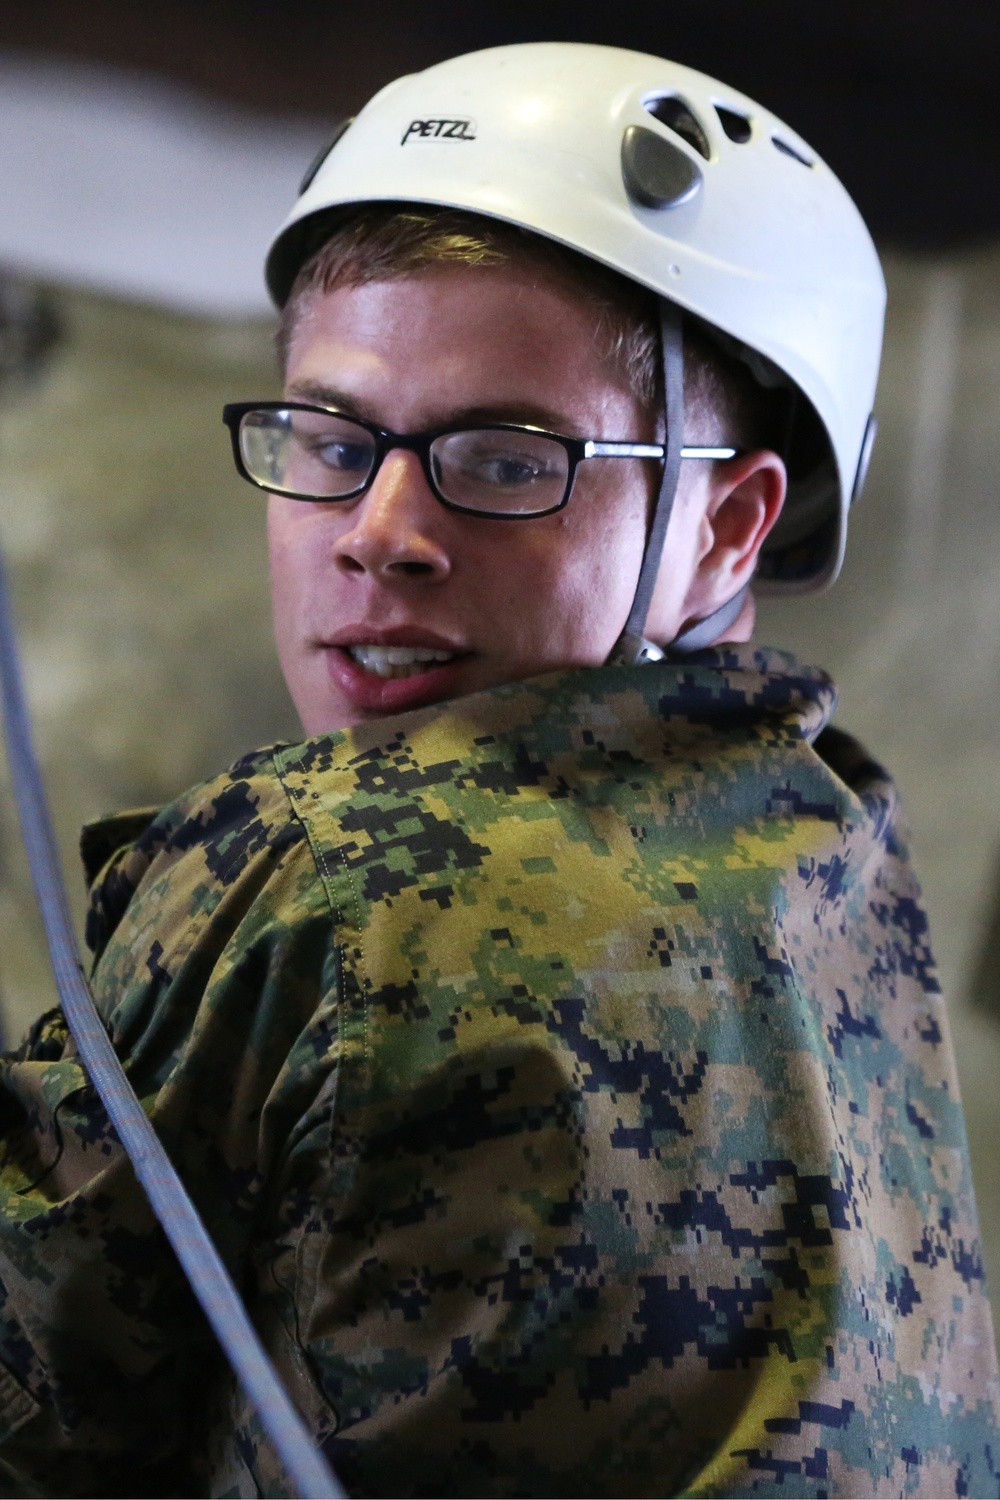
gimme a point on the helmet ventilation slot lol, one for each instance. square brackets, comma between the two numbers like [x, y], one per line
[676, 115]
[789, 150]
[323, 153]
[736, 126]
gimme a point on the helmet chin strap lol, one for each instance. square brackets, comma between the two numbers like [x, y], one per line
[707, 631]
[632, 647]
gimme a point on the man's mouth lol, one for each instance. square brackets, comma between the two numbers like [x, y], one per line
[398, 661]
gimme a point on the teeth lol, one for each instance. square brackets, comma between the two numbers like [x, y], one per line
[397, 661]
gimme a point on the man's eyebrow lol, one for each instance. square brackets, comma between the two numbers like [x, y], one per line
[519, 414]
[321, 395]
[526, 414]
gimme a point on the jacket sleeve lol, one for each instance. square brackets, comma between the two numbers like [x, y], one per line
[101, 1345]
[208, 966]
[88, 1360]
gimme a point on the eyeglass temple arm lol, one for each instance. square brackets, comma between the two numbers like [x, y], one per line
[650, 450]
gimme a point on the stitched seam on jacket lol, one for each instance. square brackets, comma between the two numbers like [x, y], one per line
[307, 1265]
[287, 758]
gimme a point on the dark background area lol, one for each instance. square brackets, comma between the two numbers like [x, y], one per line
[899, 96]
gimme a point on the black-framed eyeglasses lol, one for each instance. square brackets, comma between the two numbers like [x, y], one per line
[497, 470]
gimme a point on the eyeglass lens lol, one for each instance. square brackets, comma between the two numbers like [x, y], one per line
[325, 456]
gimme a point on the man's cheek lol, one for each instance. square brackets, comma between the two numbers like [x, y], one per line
[292, 566]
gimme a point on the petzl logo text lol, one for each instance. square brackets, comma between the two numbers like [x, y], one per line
[439, 130]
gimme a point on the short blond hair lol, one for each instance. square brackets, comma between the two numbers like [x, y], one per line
[379, 242]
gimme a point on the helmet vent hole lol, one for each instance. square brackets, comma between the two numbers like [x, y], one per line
[789, 150]
[736, 126]
[676, 115]
[323, 153]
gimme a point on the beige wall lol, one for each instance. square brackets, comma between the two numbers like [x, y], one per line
[137, 563]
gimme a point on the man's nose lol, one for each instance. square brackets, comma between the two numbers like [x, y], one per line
[396, 527]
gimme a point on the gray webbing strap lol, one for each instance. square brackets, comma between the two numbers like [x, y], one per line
[210, 1281]
[632, 646]
[707, 631]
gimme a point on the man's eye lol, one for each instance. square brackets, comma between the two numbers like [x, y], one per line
[508, 470]
[336, 453]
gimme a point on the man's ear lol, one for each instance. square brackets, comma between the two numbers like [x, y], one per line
[745, 497]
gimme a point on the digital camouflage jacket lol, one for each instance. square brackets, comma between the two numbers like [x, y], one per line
[561, 1072]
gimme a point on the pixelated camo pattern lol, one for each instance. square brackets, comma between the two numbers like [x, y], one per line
[562, 1073]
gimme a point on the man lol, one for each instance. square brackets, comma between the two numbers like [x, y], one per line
[550, 1040]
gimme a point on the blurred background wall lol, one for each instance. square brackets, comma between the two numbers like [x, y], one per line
[145, 155]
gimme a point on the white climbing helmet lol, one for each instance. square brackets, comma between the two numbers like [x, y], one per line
[677, 182]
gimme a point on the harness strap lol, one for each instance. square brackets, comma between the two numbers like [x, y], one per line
[307, 1468]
